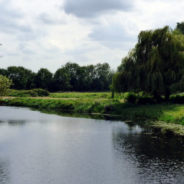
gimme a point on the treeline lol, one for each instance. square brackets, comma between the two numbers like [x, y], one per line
[70, 77]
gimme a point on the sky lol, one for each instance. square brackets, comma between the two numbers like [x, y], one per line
[48, 33]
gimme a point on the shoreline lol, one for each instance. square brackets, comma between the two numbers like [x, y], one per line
[151, 116]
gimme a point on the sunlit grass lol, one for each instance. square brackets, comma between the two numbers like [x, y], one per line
[81, 95]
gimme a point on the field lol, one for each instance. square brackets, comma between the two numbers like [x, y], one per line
[106, 95]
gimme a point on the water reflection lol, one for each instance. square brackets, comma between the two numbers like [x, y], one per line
[157, 159]
[45, 148]
[15, 123]
[4, 177]
[79, 115]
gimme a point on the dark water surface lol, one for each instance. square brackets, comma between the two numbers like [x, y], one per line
[38, 148]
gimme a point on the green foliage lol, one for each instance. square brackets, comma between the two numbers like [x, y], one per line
[131, 98]
[21, 77]
[177, 99]
[41, 92]
[81, 95]
[145, 100]
[70, 76]
[61, 80]
[156, 64]
[180, 27]
[28, 93]
[171, 113]
[23, 93]
[43, 79]
[5, 84]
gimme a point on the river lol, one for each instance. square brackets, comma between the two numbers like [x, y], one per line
[40, 148]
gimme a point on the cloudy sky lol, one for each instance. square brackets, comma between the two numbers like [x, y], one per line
[48, 33]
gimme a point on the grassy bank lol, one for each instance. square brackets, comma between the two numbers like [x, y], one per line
[169, 116]
[81, 95]
[41, 92]
[170, 113]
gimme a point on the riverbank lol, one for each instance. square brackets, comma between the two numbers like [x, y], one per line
[168, 117]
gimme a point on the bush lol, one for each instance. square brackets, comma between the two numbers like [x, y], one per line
[31, 93]
[145, 100]
[41, 92]
[177, 99]
[131, 98]
[23, 93]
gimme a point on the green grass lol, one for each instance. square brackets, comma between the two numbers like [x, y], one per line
[170, 113]
[80, 105]
[102, 103]
[169, 116]
[28, 93]
[81, 95]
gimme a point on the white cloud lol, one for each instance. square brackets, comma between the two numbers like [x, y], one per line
[44, 33]
[92, 8]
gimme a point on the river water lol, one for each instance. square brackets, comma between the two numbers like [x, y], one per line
[39, 148]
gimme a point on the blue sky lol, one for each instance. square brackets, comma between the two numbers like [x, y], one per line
[48, 33]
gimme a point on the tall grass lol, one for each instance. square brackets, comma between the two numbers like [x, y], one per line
[28, 93]
[170, 113]
[81, 95]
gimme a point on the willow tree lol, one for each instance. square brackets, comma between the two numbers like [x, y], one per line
[155, 65]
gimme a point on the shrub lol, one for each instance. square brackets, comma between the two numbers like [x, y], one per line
[108, 108]
[31, 93]
[41, 92]
[23, 93]
[145, 100]
[177, 99]
[131, 98]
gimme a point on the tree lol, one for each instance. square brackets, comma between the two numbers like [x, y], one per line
[74, 73]
[101, 78]
[180, 27]
[43, 78]
[29, 78]
[5, 84]
[3, 72]
[18, 77]
[61, 80]
[155, 65]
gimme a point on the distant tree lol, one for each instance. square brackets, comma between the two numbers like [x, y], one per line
[43, 79]
[3, 72]
[83, 78]
[180, 27]
[18, 77]
[30, 78]
[5, 84]
[101, 80]
[61, 80]
[155, 65]
[73, 70]
[21, 77]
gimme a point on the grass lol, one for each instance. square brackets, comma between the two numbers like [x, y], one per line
[81, 95]
[79, 105]
[86, 95]
[170, 114]
[28, 93]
